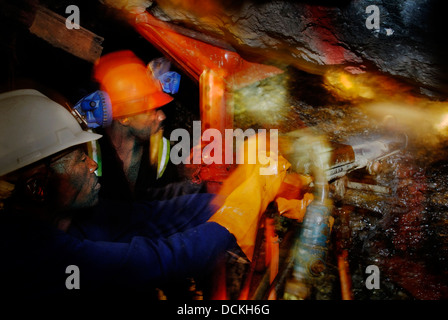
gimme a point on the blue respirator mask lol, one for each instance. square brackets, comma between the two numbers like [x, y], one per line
[95, 109]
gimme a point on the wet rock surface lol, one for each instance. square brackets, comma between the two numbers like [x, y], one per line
[402, 38]
[403, 233]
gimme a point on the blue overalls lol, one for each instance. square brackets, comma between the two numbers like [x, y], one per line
[130, 246]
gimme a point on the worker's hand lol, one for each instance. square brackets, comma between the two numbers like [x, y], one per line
[294, 208]
[243, 207]
[293, 185]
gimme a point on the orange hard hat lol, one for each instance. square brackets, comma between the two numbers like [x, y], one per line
[130, 85]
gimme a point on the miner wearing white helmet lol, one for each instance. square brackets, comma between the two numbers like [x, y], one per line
[42, 157]
[36, 130]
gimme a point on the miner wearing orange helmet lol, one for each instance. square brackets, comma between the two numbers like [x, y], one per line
[136, 97]
[130, 85]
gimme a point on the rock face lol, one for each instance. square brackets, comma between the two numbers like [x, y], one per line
[400, 38]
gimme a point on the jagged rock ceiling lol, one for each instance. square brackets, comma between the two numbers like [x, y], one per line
[403, 39]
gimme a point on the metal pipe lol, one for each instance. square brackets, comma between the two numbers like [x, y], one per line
[312, 246]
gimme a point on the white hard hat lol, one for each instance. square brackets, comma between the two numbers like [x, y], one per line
[33, 127]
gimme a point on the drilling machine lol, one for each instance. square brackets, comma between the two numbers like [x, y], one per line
[328, 163]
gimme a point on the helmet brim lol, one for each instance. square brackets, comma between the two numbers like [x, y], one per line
[12, 164]
[130, 108]
[160, 99]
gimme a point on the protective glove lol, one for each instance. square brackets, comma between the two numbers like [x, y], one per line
[294, 208]
[243, 207]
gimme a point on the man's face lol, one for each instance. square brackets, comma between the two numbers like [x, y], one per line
[75, 180]
[143, 125]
